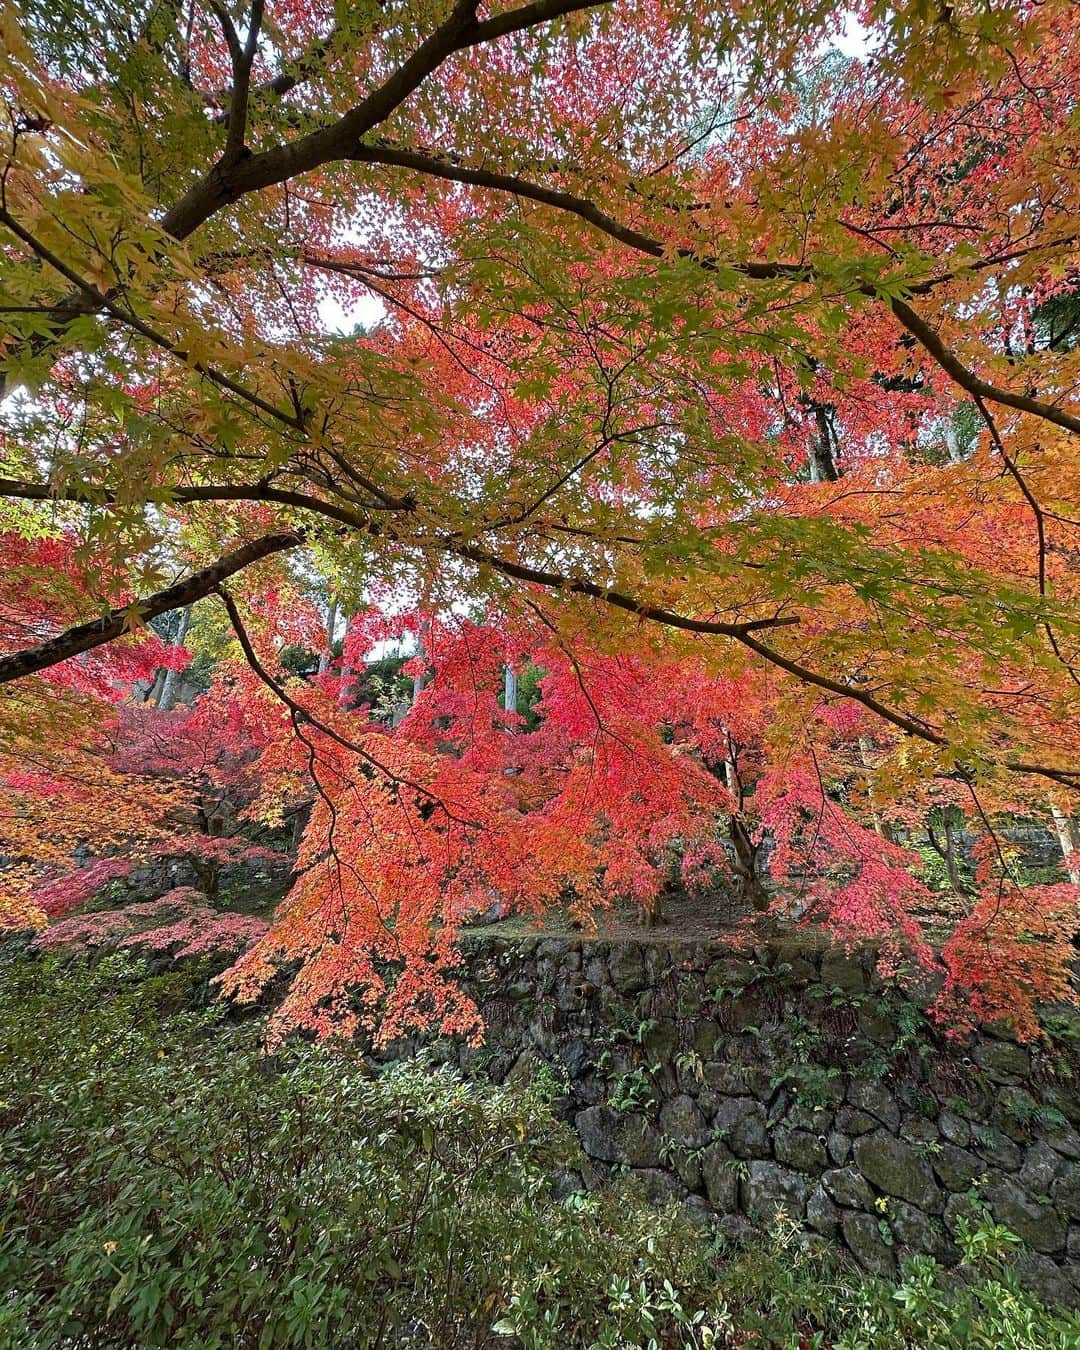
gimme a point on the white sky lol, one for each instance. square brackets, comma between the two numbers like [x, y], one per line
[366, 311]
[851, 39]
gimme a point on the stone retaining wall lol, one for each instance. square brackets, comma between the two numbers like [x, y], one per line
[790, 1076]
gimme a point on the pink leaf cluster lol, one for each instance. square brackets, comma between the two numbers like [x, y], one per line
[176, 923]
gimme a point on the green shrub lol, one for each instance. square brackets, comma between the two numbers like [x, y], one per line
[163, 1183]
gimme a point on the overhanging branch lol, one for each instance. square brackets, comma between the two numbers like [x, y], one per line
[449, 167]
[302, 715]
[84, 637]
[744, 633]
[230, 179]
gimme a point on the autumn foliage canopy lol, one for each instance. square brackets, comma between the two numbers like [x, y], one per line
[722, 376]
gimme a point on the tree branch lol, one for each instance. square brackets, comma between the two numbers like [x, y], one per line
[229, 180]
[618, 599]
[742, 633]
[219, 492]
[242, 57]
[449, 168]
[459, 31]
[98, 301]
[85, 636]
[968, 380]
[910, 726]
[301, 715]
[1040, 528]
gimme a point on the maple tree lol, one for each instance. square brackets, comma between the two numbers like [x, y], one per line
[730, 381]
[169, 790]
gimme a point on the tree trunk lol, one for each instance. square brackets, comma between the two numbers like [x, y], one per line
[950, 858]
[418, 680]
[208, 874]
[1068, 833]
[153, 694]
[167, 697]
[822, 460]
[346, 689]
[867, 760]
[947, 852]
[331, 625]
[748, 887]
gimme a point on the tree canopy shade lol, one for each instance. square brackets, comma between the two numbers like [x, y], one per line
[731, 380]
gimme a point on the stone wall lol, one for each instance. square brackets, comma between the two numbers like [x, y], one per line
[150, 880]
[789, 1076]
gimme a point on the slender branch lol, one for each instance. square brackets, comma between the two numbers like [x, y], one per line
[911, 726]
[1040, 526]
[744, 634]
[1065, 777]
[242, 58]
[299, 712]
[220, 492]
[449, 167]
[297, 72]
[85, 636]
[550, 580]
[578, 586]
[101, 301]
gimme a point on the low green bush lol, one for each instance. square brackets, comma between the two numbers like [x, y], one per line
[782, 1294]
[162, 1182]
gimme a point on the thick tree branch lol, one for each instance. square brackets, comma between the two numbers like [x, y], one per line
[969, 381]
[236, 177]
[459, 31]
[85, 636]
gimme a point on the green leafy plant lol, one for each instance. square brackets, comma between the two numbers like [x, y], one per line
[809, 1082]
[690, 1062]
[635, 1033]
[780, 1293]
[164, 1182]
[632, 1090]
